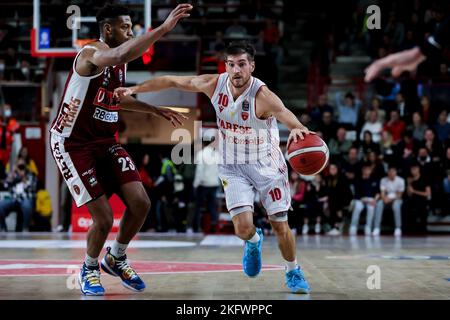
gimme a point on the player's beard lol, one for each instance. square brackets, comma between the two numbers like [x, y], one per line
[242, 85]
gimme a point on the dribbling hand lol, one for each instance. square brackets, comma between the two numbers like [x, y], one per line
[298, 133]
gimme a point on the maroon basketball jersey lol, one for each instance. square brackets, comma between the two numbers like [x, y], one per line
[88, 111]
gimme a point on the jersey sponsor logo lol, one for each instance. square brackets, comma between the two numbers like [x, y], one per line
[244, 116]
[67, 174]
[92, 181]
[106, 100]
[234, 127]
[67, 114]
[106, 116]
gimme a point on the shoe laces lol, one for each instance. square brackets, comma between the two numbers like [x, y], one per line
[124, 266]
[296, 276]
[253, 249]
[92, 276]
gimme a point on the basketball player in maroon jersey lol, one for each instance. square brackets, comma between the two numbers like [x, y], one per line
[84, 145]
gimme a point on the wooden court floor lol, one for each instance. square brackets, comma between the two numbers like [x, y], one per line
[180, 267]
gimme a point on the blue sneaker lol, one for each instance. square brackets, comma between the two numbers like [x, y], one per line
[120, 267]
[295, 280]
[251, 261]
[89, 280]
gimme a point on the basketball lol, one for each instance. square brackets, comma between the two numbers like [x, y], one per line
[308, 156]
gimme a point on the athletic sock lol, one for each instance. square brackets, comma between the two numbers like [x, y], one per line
[255, 238]
[118, 249]
[90, 262]
[291, 265]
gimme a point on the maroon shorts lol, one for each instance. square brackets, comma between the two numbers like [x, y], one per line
[93, 169]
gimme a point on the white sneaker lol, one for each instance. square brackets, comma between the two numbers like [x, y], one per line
[398, 232]
[317, 228]
[376, 232]
[353, 231]
[367, 231]
[189, 231]
[334, 232]
[305, 229]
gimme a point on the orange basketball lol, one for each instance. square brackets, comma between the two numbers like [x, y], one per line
[308, 156]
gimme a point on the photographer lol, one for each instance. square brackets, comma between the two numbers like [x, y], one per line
[22, 185]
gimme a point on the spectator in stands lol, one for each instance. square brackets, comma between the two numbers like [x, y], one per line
[339, 145]
[373, 160]
[149, 187]
[418, 195]
[446, 189]
[2, 69]
[339, 197]
[366, 196]
[327, 126]
[236, 30]
[417, 127]
[30, 163]
[444, 75]
[367, 144]
[391, 194]
[218, 45]
[375, 105]
[22, 185]
[322, 106]
[314, 199]
[164, 189]
[43, 213]
[65, 208]
[433, 146]
[442, 127]
[351, 163]
[395, 126]
[428, 113]
[395, 30]
[297, 187]
[404, 108]
[404, 150]
[387, 147]
[206, 182]
[348, 110]
[373, 125]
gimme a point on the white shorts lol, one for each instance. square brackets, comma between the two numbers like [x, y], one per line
[266, 178]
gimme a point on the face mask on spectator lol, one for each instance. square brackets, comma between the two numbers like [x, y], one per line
[7, 113]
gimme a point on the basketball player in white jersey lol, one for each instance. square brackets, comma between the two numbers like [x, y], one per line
[247, 113]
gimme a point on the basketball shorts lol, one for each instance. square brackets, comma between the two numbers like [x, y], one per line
[265, 179]
[93, 169]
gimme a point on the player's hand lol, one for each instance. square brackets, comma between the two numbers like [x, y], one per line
[174, 117]
[406, 60]
[181, 11]
[121, 92]
[298, 133]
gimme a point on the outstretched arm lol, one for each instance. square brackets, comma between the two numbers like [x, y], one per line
[103, 56]
[132, 104]
[202, 83]
[408, 60]
[269, 104]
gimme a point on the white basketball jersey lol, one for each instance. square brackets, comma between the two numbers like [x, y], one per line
[243, 138]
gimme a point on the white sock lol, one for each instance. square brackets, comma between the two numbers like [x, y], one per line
[291, 265]
[255, 238]
[118, 249]
[90, 262]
